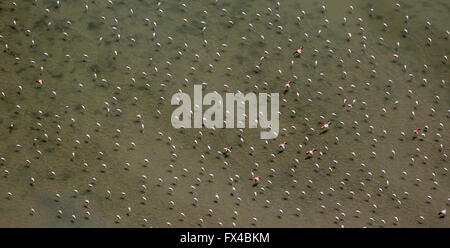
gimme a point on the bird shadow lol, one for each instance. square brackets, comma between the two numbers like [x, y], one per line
[323, 132]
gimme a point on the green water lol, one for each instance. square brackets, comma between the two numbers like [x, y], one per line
[86, 105]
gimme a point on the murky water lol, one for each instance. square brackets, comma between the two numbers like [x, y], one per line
[59, 138]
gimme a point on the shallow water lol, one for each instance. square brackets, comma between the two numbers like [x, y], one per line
[331, 182]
